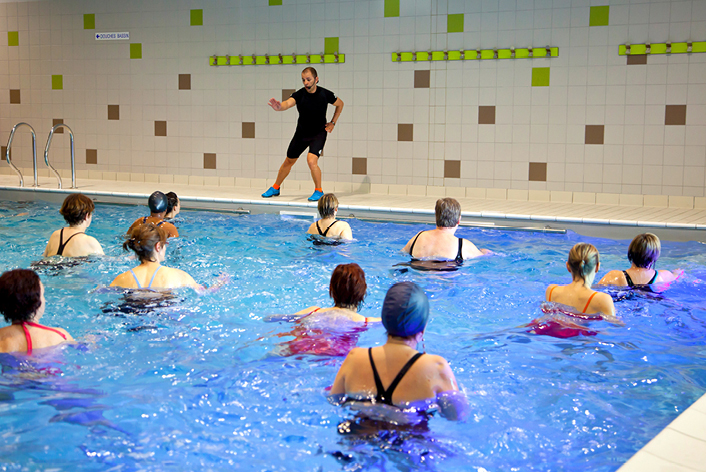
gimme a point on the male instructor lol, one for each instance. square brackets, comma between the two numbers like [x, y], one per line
[312, 102]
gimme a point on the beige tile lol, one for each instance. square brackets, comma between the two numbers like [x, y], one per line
[607, 199]
[496, 193]
[561, 196]
[342, 187]
[80, 174]
[692, 452]
[700, 202]
[646, 462]
[699, 405]
[95, 175]
[152, 178]
[242, 182]
[472, 192]
[656, 200]
[226, 181]
[137, 177]
[259, 184]
[516, 194]
[631, 200]
[380, 189]
[584, 198]
[211, 181]
[539, 195]
[436, 192]
[196, 180]
[110, 176]
[181, 179]
[456, 192]
[166, 179]
[123, 176]
[362, 188]
[417, 190]
[397, 189]
[681, 201]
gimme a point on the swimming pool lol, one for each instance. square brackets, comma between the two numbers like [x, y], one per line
[193, 382]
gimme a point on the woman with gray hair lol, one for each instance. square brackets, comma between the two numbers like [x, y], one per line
[328, 226]
[643, 253]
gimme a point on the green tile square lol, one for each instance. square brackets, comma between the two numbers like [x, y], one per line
[89, 21]
[454, 23]
[13, 38]
[274, 3]
[599, 16]
[540, 77]
[57, 82]
[196, 17]
[135, 50]
[392, 8]
[330, 45]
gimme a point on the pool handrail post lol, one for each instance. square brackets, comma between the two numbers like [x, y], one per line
[34, 152]
[73, 154]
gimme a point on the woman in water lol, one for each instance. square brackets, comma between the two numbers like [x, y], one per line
[396, 374]
[331, 331]
[328, 225]
[149, 242]
[22, 303]
[173, 206]
[643, 253]
[73, 241]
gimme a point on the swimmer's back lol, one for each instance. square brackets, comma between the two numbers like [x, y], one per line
[583, 301]
[169, 228]
[339, 229]
[439, 245]
[165, 278]
[79, 244]
[13, 338]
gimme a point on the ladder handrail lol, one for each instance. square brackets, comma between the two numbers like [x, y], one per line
[46, 154]
[34, 152]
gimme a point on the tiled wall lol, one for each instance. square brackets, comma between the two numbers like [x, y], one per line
[586, 121]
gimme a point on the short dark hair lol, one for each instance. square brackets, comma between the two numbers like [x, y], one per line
[328, 203]
[172, 200]
[143, 240]
[348, 287]
[76, 208]
[448, 212]
[20, 295]
[312, 70]
[644, 250]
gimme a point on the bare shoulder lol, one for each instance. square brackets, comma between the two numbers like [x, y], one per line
[666, 276]
[120, 280]
[66, 333]
[312, 229]
[470, 249]
[613, 277]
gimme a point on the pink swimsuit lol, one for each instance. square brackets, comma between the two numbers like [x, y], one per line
[35, 325]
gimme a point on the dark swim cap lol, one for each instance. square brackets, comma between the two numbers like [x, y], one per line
[157, 202]
[405, 311]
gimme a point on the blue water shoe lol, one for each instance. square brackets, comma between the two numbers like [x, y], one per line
[315, 196]
[271, 192]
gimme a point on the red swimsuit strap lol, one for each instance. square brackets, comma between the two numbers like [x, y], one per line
[550, 293]
[589, 302]
[29, 339]
[35, 325]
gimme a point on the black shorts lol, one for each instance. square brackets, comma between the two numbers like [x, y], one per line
[300, 143]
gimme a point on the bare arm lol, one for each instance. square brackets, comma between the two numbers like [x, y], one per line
[408, 246]
[339, 385]
[614, 277]
[94, 247]
[347, 233]
[339, 108]
[470, 250]
[281, 106]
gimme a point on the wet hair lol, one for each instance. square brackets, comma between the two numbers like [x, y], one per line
[20, 295]
[448, 212]
[76, 208]
[583, 259]
[172, 201]
[311, 70]
[157, 202]
[644, 250]
[328, 203]
[347, 287]
[143, 240]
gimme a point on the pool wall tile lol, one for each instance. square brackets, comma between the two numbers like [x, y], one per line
[196, 17]
[13, 38]
[57, 121]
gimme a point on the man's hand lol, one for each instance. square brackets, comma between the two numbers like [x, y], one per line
[276, 105]
[329, 126]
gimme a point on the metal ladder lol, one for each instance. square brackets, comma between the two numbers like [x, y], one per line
[46, 153]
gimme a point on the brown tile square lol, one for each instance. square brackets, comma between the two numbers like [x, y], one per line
[209, 160]
[58, 121]
[91, 156]
[675, 115]
[14, 96]
[113, 112]
[486, 115]
[360, 166]
[160, 128]
[594, 134]
[452, 169]
[248, 129]
[405, 132]
[538, 171]
[637, 59]
[3, 152]
[286, 93]
[184, 81]
[422, 78]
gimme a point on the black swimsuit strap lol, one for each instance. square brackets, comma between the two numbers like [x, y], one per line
[628, 279]
[652, 280]
[378, 383]
[329, 227]
[391, 389]
[411, 248]
[459, 255]
[62, 243]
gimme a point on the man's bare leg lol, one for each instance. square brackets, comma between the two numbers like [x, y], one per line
[313, 161]
[284, 170]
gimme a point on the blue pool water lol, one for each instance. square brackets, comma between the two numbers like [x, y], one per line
[193, 383]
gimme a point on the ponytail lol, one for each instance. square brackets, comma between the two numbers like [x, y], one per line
[583, 260]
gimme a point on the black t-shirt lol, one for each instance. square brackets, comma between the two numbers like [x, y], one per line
[312, 110]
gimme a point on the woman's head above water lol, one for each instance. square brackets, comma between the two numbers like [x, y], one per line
[21, 296]
[405, 311]
[347, 286]
[583, 261]
[143, 241]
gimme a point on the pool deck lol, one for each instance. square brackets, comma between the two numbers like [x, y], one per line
[681, 446]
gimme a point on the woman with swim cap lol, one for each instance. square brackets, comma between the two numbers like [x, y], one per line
[158, 204]
[22, 303]
[149, 242]
[331, 331]
[396, 374]
[73, 241]
[585, 304]
[328, 225]
[643, 253]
